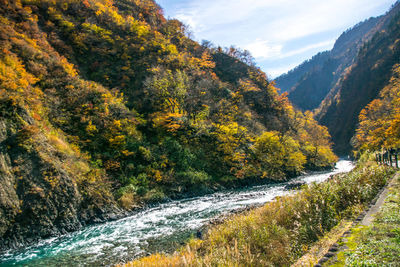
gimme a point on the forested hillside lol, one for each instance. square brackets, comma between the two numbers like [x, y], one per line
[106, 105]
[379, 121]
[309, 83]
[288, 81]
[361, 84]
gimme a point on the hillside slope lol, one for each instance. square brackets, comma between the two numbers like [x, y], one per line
[338, 84]
[379, 121]
[107, 105]
[361, 84]
[309, 83]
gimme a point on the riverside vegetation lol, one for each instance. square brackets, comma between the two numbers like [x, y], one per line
[106, 105]
[280, 232]
[379, 243]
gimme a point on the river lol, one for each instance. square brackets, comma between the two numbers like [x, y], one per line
[162, 227]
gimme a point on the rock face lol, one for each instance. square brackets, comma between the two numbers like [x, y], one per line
[38, 197]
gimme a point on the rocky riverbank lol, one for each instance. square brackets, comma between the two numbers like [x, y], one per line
[40, 196]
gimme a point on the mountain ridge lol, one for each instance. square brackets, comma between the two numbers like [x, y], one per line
[362, 83]
[327, 67]
[326, 87]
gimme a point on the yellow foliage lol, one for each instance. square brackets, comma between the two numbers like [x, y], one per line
[91, 129]
[314, 140]
[205, 62]
[68, 67]
[158, 176]
[100, 32]
[248, 86]
[117, 141]
[127, 153]
[230, 136]
[13, 76]
[379, 125]
[171, 121]
[117, 124]
[277, 154]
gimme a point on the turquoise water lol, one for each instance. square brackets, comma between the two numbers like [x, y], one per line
[160, 228]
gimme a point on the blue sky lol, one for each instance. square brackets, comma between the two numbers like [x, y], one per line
[280, 34]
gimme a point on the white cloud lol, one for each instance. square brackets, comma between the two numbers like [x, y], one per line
[308, 17]
[325, 45]
[264, 49]
[281, 20]
[267, 28]
[189, 19]
[209, 13]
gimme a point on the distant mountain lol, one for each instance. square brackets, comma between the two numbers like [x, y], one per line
[287, 82]
[309, 83]
[337, 84]
[362, 82]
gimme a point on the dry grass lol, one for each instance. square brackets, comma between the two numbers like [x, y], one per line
[127, 201]
[282, 231]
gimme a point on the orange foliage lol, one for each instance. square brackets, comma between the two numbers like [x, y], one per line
[379, 125]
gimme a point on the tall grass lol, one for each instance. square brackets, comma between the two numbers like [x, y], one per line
[278, 233]
[379, 243]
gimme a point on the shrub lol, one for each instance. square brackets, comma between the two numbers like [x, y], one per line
[141, 191]
[126, 190]
[127, 201]
[154, 195]
[191, 178]
[277, 233]
[141, 180]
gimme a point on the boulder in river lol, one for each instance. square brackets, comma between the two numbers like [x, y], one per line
[294, 185]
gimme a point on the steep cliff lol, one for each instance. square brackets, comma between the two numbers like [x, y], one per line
[40, 194]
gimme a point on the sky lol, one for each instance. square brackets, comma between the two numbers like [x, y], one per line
[280, 34]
